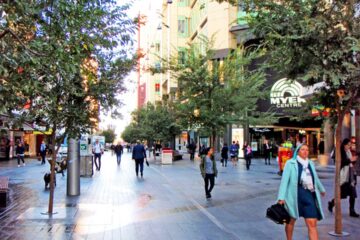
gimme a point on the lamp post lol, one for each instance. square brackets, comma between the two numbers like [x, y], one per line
[169, 2]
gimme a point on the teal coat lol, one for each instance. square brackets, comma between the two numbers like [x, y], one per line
[289, 188]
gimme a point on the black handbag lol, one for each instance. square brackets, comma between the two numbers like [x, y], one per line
[147, 163]
[278, 214]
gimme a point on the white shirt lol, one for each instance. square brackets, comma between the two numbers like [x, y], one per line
[97, 148]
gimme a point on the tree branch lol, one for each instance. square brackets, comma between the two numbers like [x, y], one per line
[4, 33]
[21, 42]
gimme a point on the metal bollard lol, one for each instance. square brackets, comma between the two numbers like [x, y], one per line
[73, 168]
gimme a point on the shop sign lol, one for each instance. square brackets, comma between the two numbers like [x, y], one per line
[287, 93]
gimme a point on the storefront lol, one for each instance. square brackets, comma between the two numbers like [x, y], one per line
[286, 101]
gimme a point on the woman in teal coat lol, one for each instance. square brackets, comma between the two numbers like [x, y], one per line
[300, 191]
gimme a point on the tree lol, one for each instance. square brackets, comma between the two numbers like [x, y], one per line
[109, 135]
[73, 61]
[317, 42]
[152, 123]
[212, 93]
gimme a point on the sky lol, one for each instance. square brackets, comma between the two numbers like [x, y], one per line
[130, 97]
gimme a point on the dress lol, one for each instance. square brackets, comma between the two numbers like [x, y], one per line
[307, 200]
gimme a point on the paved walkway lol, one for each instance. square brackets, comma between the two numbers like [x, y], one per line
[169, 203]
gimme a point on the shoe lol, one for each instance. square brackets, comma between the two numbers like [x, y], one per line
[18, 165]
[24, 164]
[141, 175]
[354, 214]
[208, 195]
[331, 205]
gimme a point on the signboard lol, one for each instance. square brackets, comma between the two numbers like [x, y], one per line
[84, 145]
[287, 93]
[254, 146]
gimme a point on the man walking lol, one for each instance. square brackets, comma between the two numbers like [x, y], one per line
[118, 151]
[267, 151]
[192, 149]
[138, 154]
[98, 149]
[43, 152]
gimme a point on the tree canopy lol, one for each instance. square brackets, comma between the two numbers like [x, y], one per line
[213, 93]
[63, 59]
[152, 123]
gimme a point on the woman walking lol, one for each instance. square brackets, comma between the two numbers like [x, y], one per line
[348, 177]
[208, 170]
[300, 191]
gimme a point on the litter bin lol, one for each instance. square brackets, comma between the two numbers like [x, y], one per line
[167, 156]
[86, 166]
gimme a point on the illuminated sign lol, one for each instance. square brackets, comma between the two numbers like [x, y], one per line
[287, 93]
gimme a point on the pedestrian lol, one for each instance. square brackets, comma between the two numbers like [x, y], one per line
[192, 149]
[208, 170]
[98, 150]
[237, 144]
[300, 191]
[233, 153]
[20, 153]
[7, 147]
[347, 177]
[139, 154]
[267, 151]
[43, 152]
[248, 156]
[202, 149]
[224, 155]
[118, 149]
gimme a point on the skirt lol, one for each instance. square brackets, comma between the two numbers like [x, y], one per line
[307, 204]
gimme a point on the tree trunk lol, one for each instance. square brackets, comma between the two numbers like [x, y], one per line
[337, 196]
[52, 172]
[213, 139]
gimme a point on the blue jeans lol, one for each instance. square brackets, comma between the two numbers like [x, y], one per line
[97, 156]
[118, 158]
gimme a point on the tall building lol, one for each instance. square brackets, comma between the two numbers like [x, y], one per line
[184, 22]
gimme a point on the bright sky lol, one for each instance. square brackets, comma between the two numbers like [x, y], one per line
[130, 97]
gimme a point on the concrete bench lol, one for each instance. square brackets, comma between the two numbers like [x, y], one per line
[177, 155]
[4, 191]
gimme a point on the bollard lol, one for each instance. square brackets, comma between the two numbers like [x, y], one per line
[73, 168]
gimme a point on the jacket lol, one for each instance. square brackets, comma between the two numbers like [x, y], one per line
[138, 152]
[202, 166]
[289, 188]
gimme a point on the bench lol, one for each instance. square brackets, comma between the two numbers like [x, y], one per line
[177, 155]
[4, 191]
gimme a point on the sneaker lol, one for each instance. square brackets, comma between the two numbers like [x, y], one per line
[18, 165]
[24, 164]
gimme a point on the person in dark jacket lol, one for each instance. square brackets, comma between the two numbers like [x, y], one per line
[224, 155]
[139, 154]
[20, 153]
[192, 149]
[118, 149]
[267, 151]
[348, 173]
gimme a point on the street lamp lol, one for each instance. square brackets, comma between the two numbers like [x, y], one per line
[169, 2]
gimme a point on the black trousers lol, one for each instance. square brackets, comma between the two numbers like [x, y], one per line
[139, 163]
[97, 156]
[192, 155]
[43, 155]
[20, 157]
[209, 179]
[267, 157]
[248, 162]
